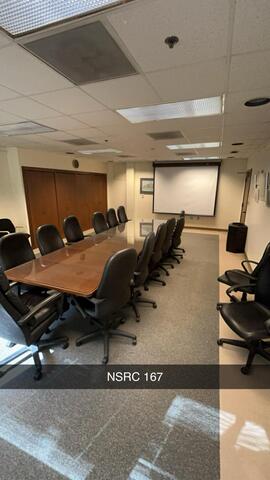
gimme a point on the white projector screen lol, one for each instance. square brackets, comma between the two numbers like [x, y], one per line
[192, 188]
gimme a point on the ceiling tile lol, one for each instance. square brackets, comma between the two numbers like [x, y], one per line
[63, 123]
[244, 132]
[199, 80]
[203, 135]
[236, 112]
[27, 108]
[6, 118]
[99, 119]
[201, 27]
[123, 92]
[249, 71]
[25, 74]
[88, 133]
[6, 94]
[4, 40]
[69, 101]
[251, 27]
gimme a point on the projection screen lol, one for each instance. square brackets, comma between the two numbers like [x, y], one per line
[192, 188]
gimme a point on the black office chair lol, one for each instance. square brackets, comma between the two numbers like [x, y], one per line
[72, 229]
[99, 222]
[121, 213]
[26, 318]
[176, 241]
[15, 250]
[48, 239]
[6, 226]
[112, 294]
[243, 278]
[156, 256]
[112, 218]
[141, 274]
[167, 245]
[250, 320]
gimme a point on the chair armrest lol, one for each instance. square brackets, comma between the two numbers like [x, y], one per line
[244, 274]
[235, 288]
[247, 261]
[47, 301]
[267, 324]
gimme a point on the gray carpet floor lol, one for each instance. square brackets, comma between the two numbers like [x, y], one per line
[128, 434]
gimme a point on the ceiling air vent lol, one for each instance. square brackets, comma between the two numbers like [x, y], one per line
[79, 141]
[180, 154]
[165, 135]
[83, 54]
[125, 156]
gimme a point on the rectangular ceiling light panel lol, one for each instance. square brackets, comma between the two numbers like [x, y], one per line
[95, 152]
[23, 128]
[187, 109]
[21, 16]
[83, 54]
[194, 145]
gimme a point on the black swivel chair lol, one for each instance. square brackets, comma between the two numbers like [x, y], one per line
[6, 226]
[121, 213]
[112, 294]
[26, 318]
[99, 222]
[176, 240]
[250, 320]
[112, 218]
[141, 274]
[15, 250]
[72, 229]
[48, 239]
[167, 245]
[156, 256]
[243, 278]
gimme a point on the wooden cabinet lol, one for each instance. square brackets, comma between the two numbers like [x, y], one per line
[52, 195]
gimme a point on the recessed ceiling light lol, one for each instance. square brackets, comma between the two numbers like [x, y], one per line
[166, 111]
[183, 146]
[201, 158]
[23, 128]
[238, 143]
[103, 150]
[23, 15]
[257, 102]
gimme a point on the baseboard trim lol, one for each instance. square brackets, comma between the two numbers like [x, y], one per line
[206, 228]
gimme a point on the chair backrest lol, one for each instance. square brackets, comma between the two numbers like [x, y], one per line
[112, 218]
[262, 289]
[11, 310]
[115, 283]
[183, 215]
[157, 252]
[48, 239]
[263, 260]
[99, 222]
[6, 225]
[15, 249]
[176, 239]
[72, 229]
[142, 267]
[167, 244]
[122, 216]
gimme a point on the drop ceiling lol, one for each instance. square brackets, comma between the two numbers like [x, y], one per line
[224, 48]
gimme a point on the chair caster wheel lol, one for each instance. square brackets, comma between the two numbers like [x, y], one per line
[172, 266]
[134, 342]
[146, 289]
[154, 305]
[167, 274]
[66, 345]
[245, 370]
[220, 342]
[37, 376]
[138, 319]
[139, 294]
[78, 343]
[105, 360]
[163, 284]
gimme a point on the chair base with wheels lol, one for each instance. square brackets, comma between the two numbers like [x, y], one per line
[106, 330]
[137, 298]
[153, 277]
[255, 348]
[44, 345]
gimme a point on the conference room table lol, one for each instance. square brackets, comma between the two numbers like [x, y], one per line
[77, 268]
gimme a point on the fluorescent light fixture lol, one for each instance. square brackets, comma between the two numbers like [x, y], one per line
[23, 128]
[21, 16]
[187, 109]
[104, 150]
[201, 158]
[184, 146]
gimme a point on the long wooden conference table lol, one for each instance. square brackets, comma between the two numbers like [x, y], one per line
[77, 268]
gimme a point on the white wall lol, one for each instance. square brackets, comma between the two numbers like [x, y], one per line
[258, 214]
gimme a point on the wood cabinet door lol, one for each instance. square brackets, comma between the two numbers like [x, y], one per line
[66, 196]
[41, 200]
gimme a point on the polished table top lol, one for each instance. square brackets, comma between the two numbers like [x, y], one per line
[77, 268]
